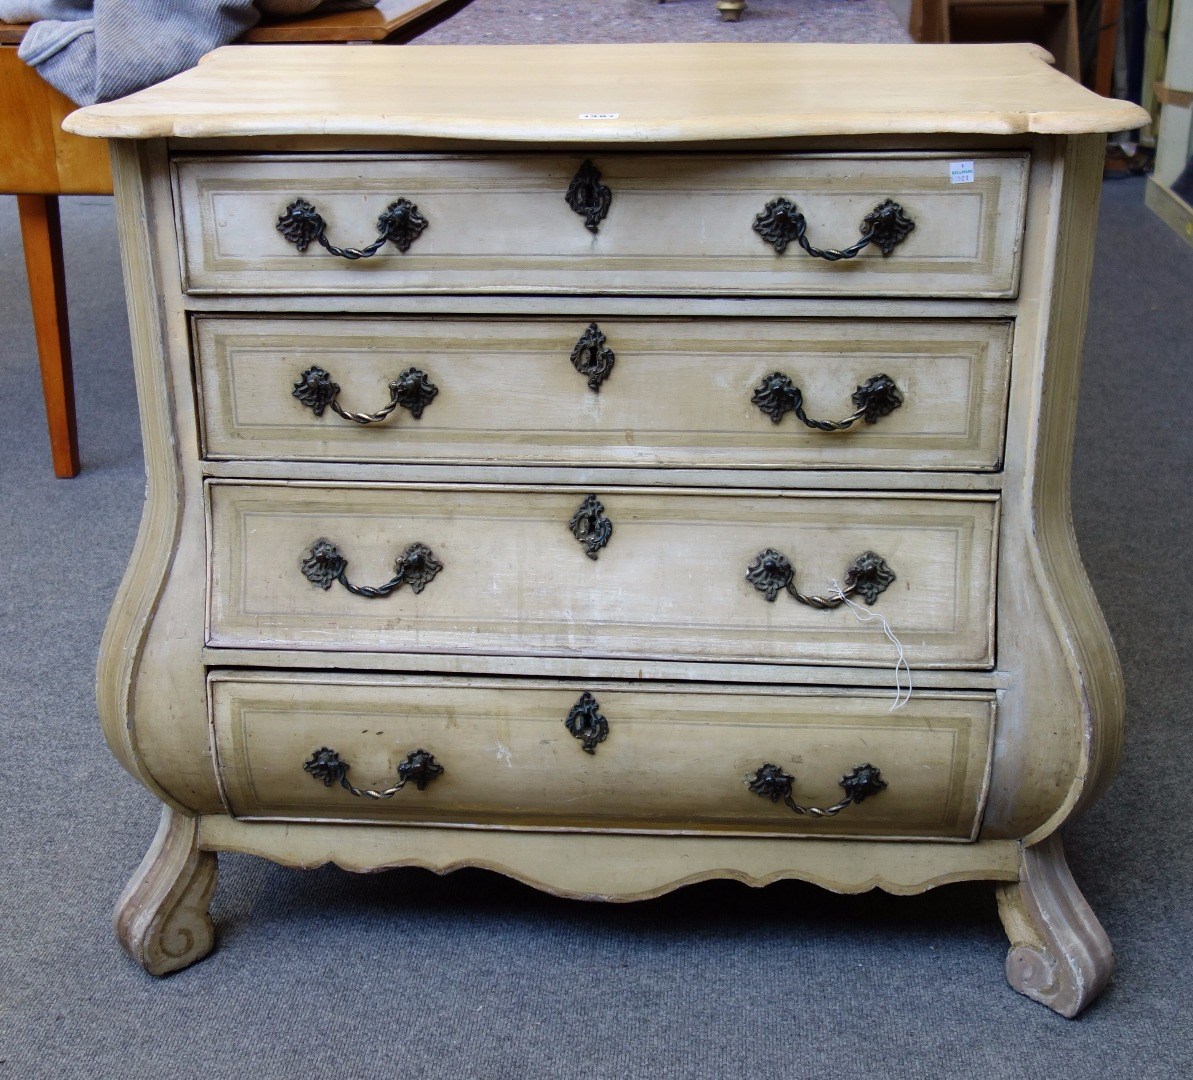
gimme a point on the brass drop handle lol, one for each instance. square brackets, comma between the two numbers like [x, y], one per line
[780, 222]
[419, 768]
[324, 564]
[411, 390]
[877, 397]
[867, 576]
[771, 782]
[400, 224]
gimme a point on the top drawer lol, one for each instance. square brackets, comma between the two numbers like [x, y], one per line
[675, 224]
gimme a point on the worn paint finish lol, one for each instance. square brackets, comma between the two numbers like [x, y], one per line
[999, 621]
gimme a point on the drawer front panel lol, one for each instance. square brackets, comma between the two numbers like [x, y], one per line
[680, 391]
[675, 759]
[670, 584]
[676, 224]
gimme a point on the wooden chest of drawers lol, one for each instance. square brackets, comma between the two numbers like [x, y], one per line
[551, 494]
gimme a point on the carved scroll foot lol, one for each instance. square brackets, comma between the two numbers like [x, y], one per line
[161, 917]
[1060, 955]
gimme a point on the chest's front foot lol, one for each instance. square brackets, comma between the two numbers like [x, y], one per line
[1060, 955]
[161, 917]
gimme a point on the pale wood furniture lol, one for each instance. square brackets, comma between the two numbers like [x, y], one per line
[1051, 24]
[573, 672]
[1174, 144]
[1155, 56]
[731, 10]
[388, 20]
[42, 161]
[1110, 15]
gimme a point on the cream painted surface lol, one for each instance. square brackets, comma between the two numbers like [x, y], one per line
[590, 667]
[670, 584]
[645, 93]
[677, 224]
[582, 307]
[679, 394]
[1060, 956]
[620, 867]
[150, 677]
[162, 917]
[1055, 623]
[1056, 681]
[766, 480]
[675, 759]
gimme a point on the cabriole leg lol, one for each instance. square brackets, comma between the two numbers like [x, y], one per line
[1060, 955]
[161, 917]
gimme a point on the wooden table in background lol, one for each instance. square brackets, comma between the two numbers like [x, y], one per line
[50, 163]
[1050, 23]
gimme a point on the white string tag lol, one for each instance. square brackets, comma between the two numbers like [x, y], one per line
[902, 697]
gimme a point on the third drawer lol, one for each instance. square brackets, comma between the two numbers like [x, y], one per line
[683, 574]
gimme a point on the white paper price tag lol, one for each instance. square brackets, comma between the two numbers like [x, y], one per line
[960, 172]
[599, 115]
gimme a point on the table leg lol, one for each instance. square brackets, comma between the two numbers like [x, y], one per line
[42, 237]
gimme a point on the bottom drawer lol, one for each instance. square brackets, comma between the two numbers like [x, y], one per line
[674, 758]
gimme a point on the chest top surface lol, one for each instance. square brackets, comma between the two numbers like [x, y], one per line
[613, 93]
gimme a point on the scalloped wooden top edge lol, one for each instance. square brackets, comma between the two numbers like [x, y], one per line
[612, 94]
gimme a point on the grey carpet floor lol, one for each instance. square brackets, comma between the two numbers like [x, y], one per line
[550, 22]
[323, 973]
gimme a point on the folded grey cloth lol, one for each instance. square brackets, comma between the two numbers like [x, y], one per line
[97, 50]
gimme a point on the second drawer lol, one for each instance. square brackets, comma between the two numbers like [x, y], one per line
[555, 391]
[634, 573]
